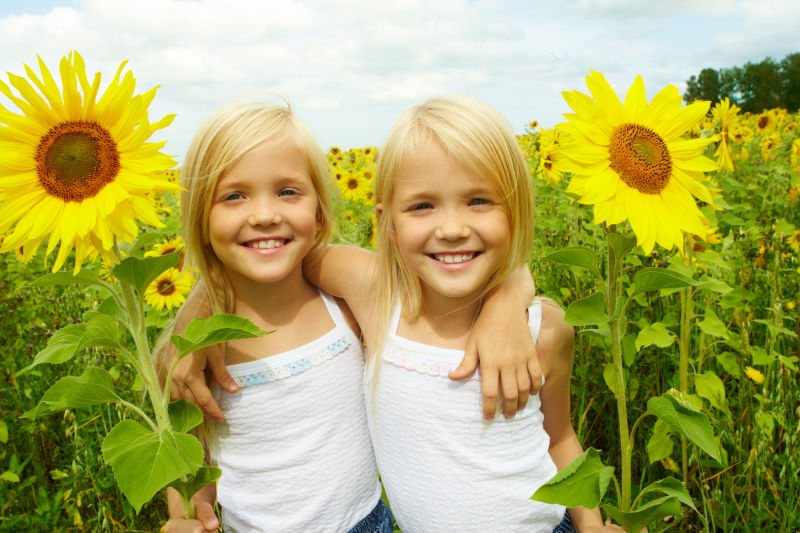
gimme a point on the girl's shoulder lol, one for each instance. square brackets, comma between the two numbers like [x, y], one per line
[556, 338]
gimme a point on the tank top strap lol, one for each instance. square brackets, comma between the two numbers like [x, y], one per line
[335, 311]
[535, 319]
[394, 322]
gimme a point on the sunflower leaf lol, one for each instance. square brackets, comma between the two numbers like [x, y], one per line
[141, 272]
[583, 482]
[579, 256]
[202, 477]
[652, 278]
[646, 514]
[67, 278]
[101, 330]
[687, 421]
[184, 416]
[202, 332]
[621, 244]
[145, 240]
[145, 461]
[93, 387]
[61, 347]
[587, 311]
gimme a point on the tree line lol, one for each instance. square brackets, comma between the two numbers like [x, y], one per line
[753, 87]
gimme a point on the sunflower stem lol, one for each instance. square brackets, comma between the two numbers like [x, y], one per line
[684, 342]
[615, 326]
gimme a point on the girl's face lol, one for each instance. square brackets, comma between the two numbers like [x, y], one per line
[264, 215]
[449, 226]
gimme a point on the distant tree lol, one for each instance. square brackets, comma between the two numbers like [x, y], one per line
[727, 84]
[706, 86]
[760, 85]
[790, 73]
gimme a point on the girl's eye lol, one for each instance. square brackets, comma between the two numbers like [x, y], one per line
[480, 201]
[288, 192]
[420, 206]
[233, 196]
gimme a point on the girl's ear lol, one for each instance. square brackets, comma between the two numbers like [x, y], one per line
[379, 212]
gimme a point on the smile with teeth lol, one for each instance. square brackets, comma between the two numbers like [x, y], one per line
[454, 258]
[267, 243]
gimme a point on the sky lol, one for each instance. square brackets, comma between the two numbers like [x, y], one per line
[350, 68]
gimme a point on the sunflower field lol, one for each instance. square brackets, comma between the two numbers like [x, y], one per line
[712, 338]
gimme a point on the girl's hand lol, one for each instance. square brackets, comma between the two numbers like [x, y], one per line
[501, 340]
[205, 521]
[188, 379]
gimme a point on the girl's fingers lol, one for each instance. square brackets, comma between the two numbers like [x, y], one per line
[467, 366]
[535, 375]
[508, 381]
[220, 372]
[204, 512]
[489, 385]
[524, 388]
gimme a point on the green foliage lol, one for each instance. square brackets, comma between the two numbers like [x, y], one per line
[581, 483]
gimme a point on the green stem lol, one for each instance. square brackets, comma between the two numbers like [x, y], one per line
[141, 413]
[612, 294]
[683, 342]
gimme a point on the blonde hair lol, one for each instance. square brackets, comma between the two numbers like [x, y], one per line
[221, 141]
[480, 139]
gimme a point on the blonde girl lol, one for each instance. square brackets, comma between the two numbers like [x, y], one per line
[294, 450]
[455, 219]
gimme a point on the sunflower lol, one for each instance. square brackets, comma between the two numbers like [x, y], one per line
[795, 155]
[75, 167]
[549, 156]
[166, 248]
[353, 186]
[724, 113]
[765, 122]
[630, 161]
[169, 289]
[769, 144]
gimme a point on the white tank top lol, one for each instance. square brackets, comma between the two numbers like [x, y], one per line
[294, 449]
[443, 467]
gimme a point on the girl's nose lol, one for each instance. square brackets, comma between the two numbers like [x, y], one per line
[452, 229]
[263, 215]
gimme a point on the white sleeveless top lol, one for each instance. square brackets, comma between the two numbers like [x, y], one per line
[443, 467]
[294, 449]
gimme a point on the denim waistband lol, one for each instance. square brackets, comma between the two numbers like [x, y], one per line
[373, 520]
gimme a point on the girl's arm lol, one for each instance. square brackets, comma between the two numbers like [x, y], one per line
[501, 340]
[556, 347]
[205, 519]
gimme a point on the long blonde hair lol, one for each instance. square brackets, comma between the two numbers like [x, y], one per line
[222, 140]
[480, 139]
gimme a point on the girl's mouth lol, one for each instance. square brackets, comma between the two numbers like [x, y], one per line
[454, 258]
[266, 243]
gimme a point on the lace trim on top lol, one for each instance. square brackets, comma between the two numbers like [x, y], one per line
[295, 367]
[418, 364]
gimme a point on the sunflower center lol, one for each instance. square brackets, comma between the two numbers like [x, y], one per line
[640, 157]
[165, 287]
[352, 184]
[76, 159]
[763, 122]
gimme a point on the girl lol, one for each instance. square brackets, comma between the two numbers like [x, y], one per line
[455, 218]
[294, 449]
[295, 455]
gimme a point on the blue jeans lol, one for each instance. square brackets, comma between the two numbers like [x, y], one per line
[380, 520]
[565, 526]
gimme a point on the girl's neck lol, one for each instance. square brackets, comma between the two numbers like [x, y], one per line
[442, 322]
[272, 303]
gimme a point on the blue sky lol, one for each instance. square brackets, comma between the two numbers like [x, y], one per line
[350, 68]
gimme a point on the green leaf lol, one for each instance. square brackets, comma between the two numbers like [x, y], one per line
[202, 332]
[93, 387]
[583, 482]
[84, 276]
[621, 244]
[101, 330]
[184, 416]
[651, 278]
[646, 514]
[629, 350]
[110, 307]
[657, 334]
[712, 325]
[587, 311]
[709, 386]
[712, 258]
[144, 461]
[669, 486]
[775, 330]
[3, 432]
[145, 240]
[204, 476]
[11, 477]
[579, 256]
[660, 444]
[61, 347]
[686, 421]
[141, 272]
